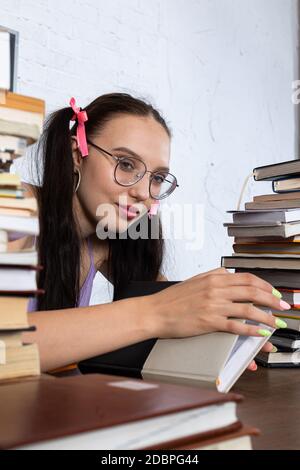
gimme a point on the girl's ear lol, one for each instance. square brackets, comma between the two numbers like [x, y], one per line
[77, 159]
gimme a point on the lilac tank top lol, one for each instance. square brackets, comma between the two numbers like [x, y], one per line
[86, 289]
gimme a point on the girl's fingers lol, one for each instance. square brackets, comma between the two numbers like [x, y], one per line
[268, 347]
[238, 328]
[257, 296]
[209, 273]
[252, 366]
[218, 271]
[252, 313]
[247, 279]
[223, 280]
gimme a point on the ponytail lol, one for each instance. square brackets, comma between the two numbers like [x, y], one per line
[58, 243]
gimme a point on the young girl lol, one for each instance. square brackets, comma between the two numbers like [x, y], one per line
[119, 149]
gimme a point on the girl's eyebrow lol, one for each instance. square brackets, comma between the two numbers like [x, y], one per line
[133, 154]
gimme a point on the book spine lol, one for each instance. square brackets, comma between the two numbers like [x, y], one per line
[280, 191]
[274, 187]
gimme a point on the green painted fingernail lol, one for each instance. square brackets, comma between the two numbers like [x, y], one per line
[276, 293]
[280, 323]
[274, 349]
[264, 332]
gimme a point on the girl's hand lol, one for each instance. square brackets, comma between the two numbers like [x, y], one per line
[266, 348]
[213, 301]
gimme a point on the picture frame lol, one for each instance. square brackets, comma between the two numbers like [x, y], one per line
[9, 42]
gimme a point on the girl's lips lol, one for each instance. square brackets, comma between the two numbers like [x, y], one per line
[129, 211]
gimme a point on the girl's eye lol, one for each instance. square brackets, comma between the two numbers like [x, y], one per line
[159, 179]
[126, 164]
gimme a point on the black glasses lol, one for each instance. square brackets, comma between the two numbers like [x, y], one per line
[129, 170]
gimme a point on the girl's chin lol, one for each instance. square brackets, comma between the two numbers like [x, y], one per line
[108, 230]
[122, 226]
[114, 223]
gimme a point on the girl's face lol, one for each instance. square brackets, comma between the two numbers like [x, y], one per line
[122, 136]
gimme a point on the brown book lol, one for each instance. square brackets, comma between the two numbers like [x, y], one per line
[15, 212]
[264, 217]
[279, 229]
[13, 338]
[261, 262]
[266, 240]
[289, 184]
[24, 103]
[277, 277]
[268, 248]
[28, 204]
[276, 170]
[19, 361]
[109, 412]
[281, 204]
[275, 197]
[13, 312]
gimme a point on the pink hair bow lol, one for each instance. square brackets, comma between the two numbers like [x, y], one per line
[81, 117]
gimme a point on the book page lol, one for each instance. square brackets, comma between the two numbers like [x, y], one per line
[242, 354]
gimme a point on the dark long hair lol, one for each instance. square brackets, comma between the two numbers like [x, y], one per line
[59, 240]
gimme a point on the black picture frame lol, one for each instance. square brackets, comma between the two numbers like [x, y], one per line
[14, 46]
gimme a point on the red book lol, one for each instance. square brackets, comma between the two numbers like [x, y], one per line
[109, 412]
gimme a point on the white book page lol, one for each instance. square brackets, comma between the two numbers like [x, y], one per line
[242, 354]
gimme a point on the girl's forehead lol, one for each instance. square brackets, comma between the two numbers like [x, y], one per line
[141, 134]
[126, 124]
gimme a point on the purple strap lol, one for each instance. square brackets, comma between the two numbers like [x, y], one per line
[86, 289]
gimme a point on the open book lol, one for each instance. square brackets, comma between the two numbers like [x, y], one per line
[215, 359]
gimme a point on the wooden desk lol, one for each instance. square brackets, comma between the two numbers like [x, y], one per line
[272, 404]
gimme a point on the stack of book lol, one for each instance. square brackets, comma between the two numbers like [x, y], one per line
[21, 121]
[18, 216]
[11, 147]
[20, 124]
[267, 244]
[287, 343]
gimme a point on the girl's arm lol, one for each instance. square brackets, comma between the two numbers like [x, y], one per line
[71, 335]
[213, 301]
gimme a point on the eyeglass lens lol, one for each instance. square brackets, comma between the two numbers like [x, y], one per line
[130, 170]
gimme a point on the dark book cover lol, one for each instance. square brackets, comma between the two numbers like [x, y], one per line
[128, 361]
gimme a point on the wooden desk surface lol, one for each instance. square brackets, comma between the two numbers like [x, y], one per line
[272, 404]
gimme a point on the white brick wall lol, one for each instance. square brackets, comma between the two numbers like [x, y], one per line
[220, 70]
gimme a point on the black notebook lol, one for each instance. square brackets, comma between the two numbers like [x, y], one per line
[287, 338]
[128, 361]
[277, 171]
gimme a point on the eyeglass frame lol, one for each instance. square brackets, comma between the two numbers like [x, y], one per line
[119, 159]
